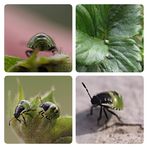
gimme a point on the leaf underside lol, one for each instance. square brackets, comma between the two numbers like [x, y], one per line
[106, 38]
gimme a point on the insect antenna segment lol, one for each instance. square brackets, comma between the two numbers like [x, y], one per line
[86, 90]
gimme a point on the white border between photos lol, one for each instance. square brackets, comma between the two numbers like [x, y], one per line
[73, 74]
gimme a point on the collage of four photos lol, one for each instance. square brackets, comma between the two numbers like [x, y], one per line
[38, 42]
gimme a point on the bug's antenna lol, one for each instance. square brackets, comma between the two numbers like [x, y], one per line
[86, 90]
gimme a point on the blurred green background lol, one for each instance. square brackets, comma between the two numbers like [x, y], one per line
[32, 86]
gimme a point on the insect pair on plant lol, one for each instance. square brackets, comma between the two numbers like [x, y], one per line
[108, 101]
[41, 42]
[48, 110]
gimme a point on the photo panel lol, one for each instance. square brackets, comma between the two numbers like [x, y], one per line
[38, 38]
[109, 109]
[38, 109]
[109, 38]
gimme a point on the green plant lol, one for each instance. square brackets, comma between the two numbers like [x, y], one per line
[109, 38]
[38, 119]
[56, 63]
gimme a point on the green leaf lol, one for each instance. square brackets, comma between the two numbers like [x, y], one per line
[10, 61]
[63, 130]
[20, 94]
[56, 63]
[90, 50]
[84, 20]
[125, 21]
[109, 38]
[49, 96]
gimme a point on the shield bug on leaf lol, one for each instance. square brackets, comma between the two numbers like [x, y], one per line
[108, 101]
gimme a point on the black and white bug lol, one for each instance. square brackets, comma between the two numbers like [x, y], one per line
[108, 101]
[49, 110]
[23, 107]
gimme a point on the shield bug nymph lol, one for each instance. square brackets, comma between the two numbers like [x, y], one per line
[49, 110]
[41, 42]
[108, 101]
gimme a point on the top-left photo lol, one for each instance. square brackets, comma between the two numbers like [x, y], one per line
[38, 38]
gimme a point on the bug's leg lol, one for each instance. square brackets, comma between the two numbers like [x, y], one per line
[29, 115]
[28, 53]
[105, 113]
[27, 112]
[41, 113]
[54, 50]
[18, 120]
[100, 114]
[53, 115]
[91, 110]
[10, 121]
[14, 118]
[48, 118]
[114, 115]
[24, 120]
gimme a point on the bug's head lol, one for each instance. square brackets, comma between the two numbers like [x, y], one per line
[45, 105]
[22, 105]
[18, 111]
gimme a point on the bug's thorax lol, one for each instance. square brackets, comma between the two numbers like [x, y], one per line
[101, 98]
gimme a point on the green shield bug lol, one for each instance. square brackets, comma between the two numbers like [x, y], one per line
[41, 42]
[108, 101]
